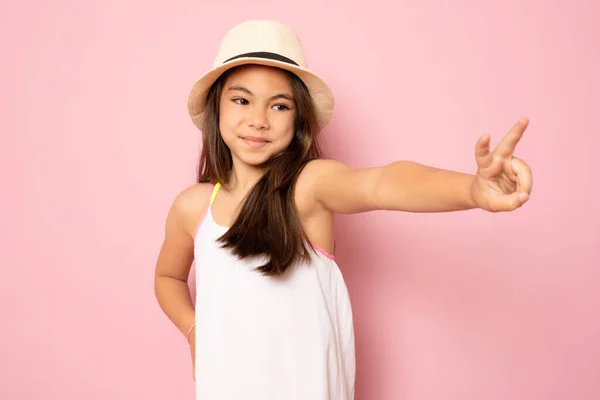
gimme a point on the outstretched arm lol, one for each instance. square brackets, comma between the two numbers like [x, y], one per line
[502, 183]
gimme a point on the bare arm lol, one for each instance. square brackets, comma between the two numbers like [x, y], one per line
[176, 257]
[408, 186]
[400, 186]
[502, 182]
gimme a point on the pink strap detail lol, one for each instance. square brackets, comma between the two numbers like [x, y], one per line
[320, 250]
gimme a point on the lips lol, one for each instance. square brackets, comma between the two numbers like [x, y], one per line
[255, 142]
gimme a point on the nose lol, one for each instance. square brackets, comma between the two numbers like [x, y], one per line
[258, 118]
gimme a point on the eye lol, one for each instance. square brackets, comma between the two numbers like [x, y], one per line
[240, 101]
[281, 107]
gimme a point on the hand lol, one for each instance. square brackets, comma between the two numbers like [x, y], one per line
[503, 182]
[192, 343]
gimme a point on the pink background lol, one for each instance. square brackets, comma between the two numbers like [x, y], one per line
[96, 143]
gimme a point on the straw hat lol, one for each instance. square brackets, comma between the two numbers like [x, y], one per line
[265, 43]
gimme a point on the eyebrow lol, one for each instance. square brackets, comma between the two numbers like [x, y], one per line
[277, 96]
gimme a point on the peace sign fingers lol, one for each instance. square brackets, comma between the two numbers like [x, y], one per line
[507, 145]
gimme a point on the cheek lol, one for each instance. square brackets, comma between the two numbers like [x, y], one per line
[229, 121]
[284, 123]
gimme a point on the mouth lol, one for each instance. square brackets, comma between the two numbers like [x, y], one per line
[255, 142]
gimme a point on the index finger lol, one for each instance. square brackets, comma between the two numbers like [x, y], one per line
[507, 145]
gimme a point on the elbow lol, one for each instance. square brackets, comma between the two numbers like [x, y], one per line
[378, 192]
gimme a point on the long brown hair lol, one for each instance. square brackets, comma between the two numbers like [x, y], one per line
[268, 223]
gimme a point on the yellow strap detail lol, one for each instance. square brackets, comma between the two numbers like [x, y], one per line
[213, 196]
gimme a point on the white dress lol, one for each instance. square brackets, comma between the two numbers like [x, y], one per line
[262, 338]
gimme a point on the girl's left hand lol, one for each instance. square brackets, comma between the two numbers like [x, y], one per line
[503, 182]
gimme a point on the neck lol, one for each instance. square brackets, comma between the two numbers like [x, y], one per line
[243, 177]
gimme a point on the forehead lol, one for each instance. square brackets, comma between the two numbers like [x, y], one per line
[259, 78]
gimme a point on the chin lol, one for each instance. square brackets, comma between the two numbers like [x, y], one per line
[256, 160]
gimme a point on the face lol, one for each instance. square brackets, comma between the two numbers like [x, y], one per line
[257, 114]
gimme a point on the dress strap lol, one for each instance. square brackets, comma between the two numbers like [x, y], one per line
[213, 196]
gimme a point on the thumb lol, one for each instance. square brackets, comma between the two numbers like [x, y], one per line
[510, 202]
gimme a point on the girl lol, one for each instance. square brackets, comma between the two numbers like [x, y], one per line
[272, 318]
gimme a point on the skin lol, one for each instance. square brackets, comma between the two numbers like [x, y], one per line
[257, 105]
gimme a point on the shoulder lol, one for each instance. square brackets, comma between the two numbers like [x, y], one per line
[315, 170]
[314, 175]
[193, 196]
[337, 187]
[190, 205]
[317, 173]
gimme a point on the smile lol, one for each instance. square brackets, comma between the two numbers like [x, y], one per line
[255, 142]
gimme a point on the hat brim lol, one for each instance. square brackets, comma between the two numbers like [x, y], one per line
[320, 92]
